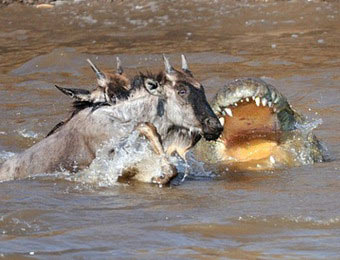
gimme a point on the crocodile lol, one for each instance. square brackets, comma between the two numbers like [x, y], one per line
[262, 131]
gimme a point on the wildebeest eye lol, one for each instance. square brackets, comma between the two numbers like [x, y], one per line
[182, 92]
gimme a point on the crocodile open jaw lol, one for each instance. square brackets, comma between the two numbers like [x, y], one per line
[253, 114]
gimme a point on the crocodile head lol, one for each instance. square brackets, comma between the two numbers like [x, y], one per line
[261, 129]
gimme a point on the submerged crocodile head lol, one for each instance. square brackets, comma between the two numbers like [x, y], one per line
[261, 129]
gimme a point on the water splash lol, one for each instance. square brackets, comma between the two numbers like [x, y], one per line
[196, 169]
[303, 145]
[28, 134]
[308, 126]
[132, 152]
[4, 155]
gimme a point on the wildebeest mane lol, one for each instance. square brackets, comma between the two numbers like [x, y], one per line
[118, 89]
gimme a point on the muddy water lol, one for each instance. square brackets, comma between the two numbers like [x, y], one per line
[290, 214]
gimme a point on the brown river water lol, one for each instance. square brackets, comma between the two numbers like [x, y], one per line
[291, 213]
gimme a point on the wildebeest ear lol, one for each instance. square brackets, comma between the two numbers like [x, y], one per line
[153, 87]
[120, 69]
[76, 93]
[185, 66]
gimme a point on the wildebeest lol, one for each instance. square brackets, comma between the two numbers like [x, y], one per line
[172, 102]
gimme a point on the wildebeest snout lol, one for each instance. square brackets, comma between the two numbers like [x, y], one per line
[212, 128]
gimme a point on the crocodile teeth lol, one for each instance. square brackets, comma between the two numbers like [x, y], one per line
[247, 99]
[228, 111]
[257, 101]
[264, 102]
[253, 98]
[270, 104]
[241, 100]
[273, 95]
[221, 120]
[272, 159]
[276, 100]
[235, 104]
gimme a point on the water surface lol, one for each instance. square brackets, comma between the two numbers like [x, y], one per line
[287, 214]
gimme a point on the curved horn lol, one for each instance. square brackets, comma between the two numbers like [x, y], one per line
[119, 66]
[100, 75]
[168, 68]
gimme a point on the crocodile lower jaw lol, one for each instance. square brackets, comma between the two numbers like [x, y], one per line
[256, 154]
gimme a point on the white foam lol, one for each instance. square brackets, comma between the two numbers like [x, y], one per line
[28, 134]
[276, 220]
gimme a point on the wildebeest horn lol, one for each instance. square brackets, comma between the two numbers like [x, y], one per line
[101, 78]
[119, 66]
[100, 75]
[168, 68]
[184, 63]
[185, 66]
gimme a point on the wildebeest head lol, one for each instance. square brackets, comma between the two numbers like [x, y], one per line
[181, 98]
[186, 104]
